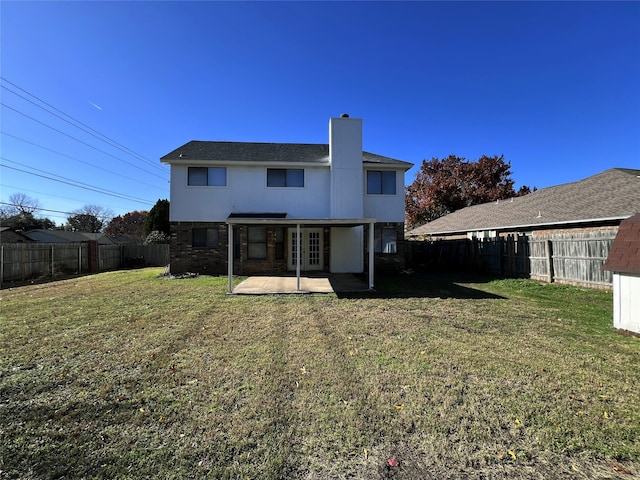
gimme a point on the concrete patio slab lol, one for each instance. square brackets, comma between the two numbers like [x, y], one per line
[259, 285]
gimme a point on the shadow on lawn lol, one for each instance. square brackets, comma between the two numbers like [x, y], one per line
[425, 286]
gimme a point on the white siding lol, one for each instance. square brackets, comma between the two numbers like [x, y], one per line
[345, 152]
[385, 208]
[626, 302]
[247, 191]
[346, 250]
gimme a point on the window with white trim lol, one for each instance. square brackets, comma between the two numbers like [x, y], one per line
[285, 177]
[207, 176]
[381, 182]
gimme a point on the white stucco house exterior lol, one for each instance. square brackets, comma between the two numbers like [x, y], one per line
[624, 261]
[283, 207]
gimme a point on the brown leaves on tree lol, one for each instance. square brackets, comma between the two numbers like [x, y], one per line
[443, 186]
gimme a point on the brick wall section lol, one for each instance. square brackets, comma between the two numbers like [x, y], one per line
[213, 260]
[204, 260]
[388, 262]
[247, 266]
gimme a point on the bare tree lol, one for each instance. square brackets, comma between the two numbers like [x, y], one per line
[22, 204]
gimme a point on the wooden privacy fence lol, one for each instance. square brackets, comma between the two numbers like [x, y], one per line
[26, 261]
[555, 258]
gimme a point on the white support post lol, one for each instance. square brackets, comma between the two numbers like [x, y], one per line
[298, 249]
[371, 253]
[230, 258]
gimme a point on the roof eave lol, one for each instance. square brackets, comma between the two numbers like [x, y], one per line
[244, 163]
[518, 227]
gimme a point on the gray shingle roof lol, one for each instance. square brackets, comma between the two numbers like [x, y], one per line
[62, 236]
[612, 194]
[197, 150]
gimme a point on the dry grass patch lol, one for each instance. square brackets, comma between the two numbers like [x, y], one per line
[126, 375]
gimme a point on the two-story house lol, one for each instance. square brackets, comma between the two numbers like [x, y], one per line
[280, 207]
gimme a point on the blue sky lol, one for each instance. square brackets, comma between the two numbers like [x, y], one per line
[553, 86]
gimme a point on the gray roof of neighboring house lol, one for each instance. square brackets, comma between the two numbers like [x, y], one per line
[9, 235]
[62, 236]
[197, 150]
[610, 195]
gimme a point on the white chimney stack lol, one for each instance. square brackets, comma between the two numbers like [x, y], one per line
[347, 176]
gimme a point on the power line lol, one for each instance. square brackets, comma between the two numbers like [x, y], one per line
[79, 160]
[37, 208]
[73, 183]
[86, 129]
[22, 189]
[78, 140]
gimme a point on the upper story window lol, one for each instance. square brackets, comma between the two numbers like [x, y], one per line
[285, 177]
[207, 176]
[381, 182]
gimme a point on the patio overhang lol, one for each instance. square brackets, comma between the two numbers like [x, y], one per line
[281, 219]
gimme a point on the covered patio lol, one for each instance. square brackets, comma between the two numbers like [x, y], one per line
[282, 284]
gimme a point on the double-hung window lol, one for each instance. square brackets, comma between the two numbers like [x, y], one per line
[285, 177]
[257, 243]
[381, 182]
[207, 177]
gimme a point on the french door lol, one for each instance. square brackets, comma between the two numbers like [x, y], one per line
[311, 249]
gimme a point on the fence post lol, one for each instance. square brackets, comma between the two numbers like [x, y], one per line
[548, 251]
[1, 265]
[51, 255]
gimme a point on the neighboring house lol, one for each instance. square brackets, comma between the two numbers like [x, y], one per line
[9, 235]
[624, 262]
[555, 234]
[599, 202]
[253, 201]
[62, 236]
[123, 239]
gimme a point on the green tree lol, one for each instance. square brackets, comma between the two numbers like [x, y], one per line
[90, 218]
[27, 221]
[158, 218]
[83, 222]
[19, 214]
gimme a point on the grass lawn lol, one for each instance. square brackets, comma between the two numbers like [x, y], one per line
[127, 375]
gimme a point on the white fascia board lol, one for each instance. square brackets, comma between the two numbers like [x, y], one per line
[220, 163]
[384, 166]
[529, 226]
